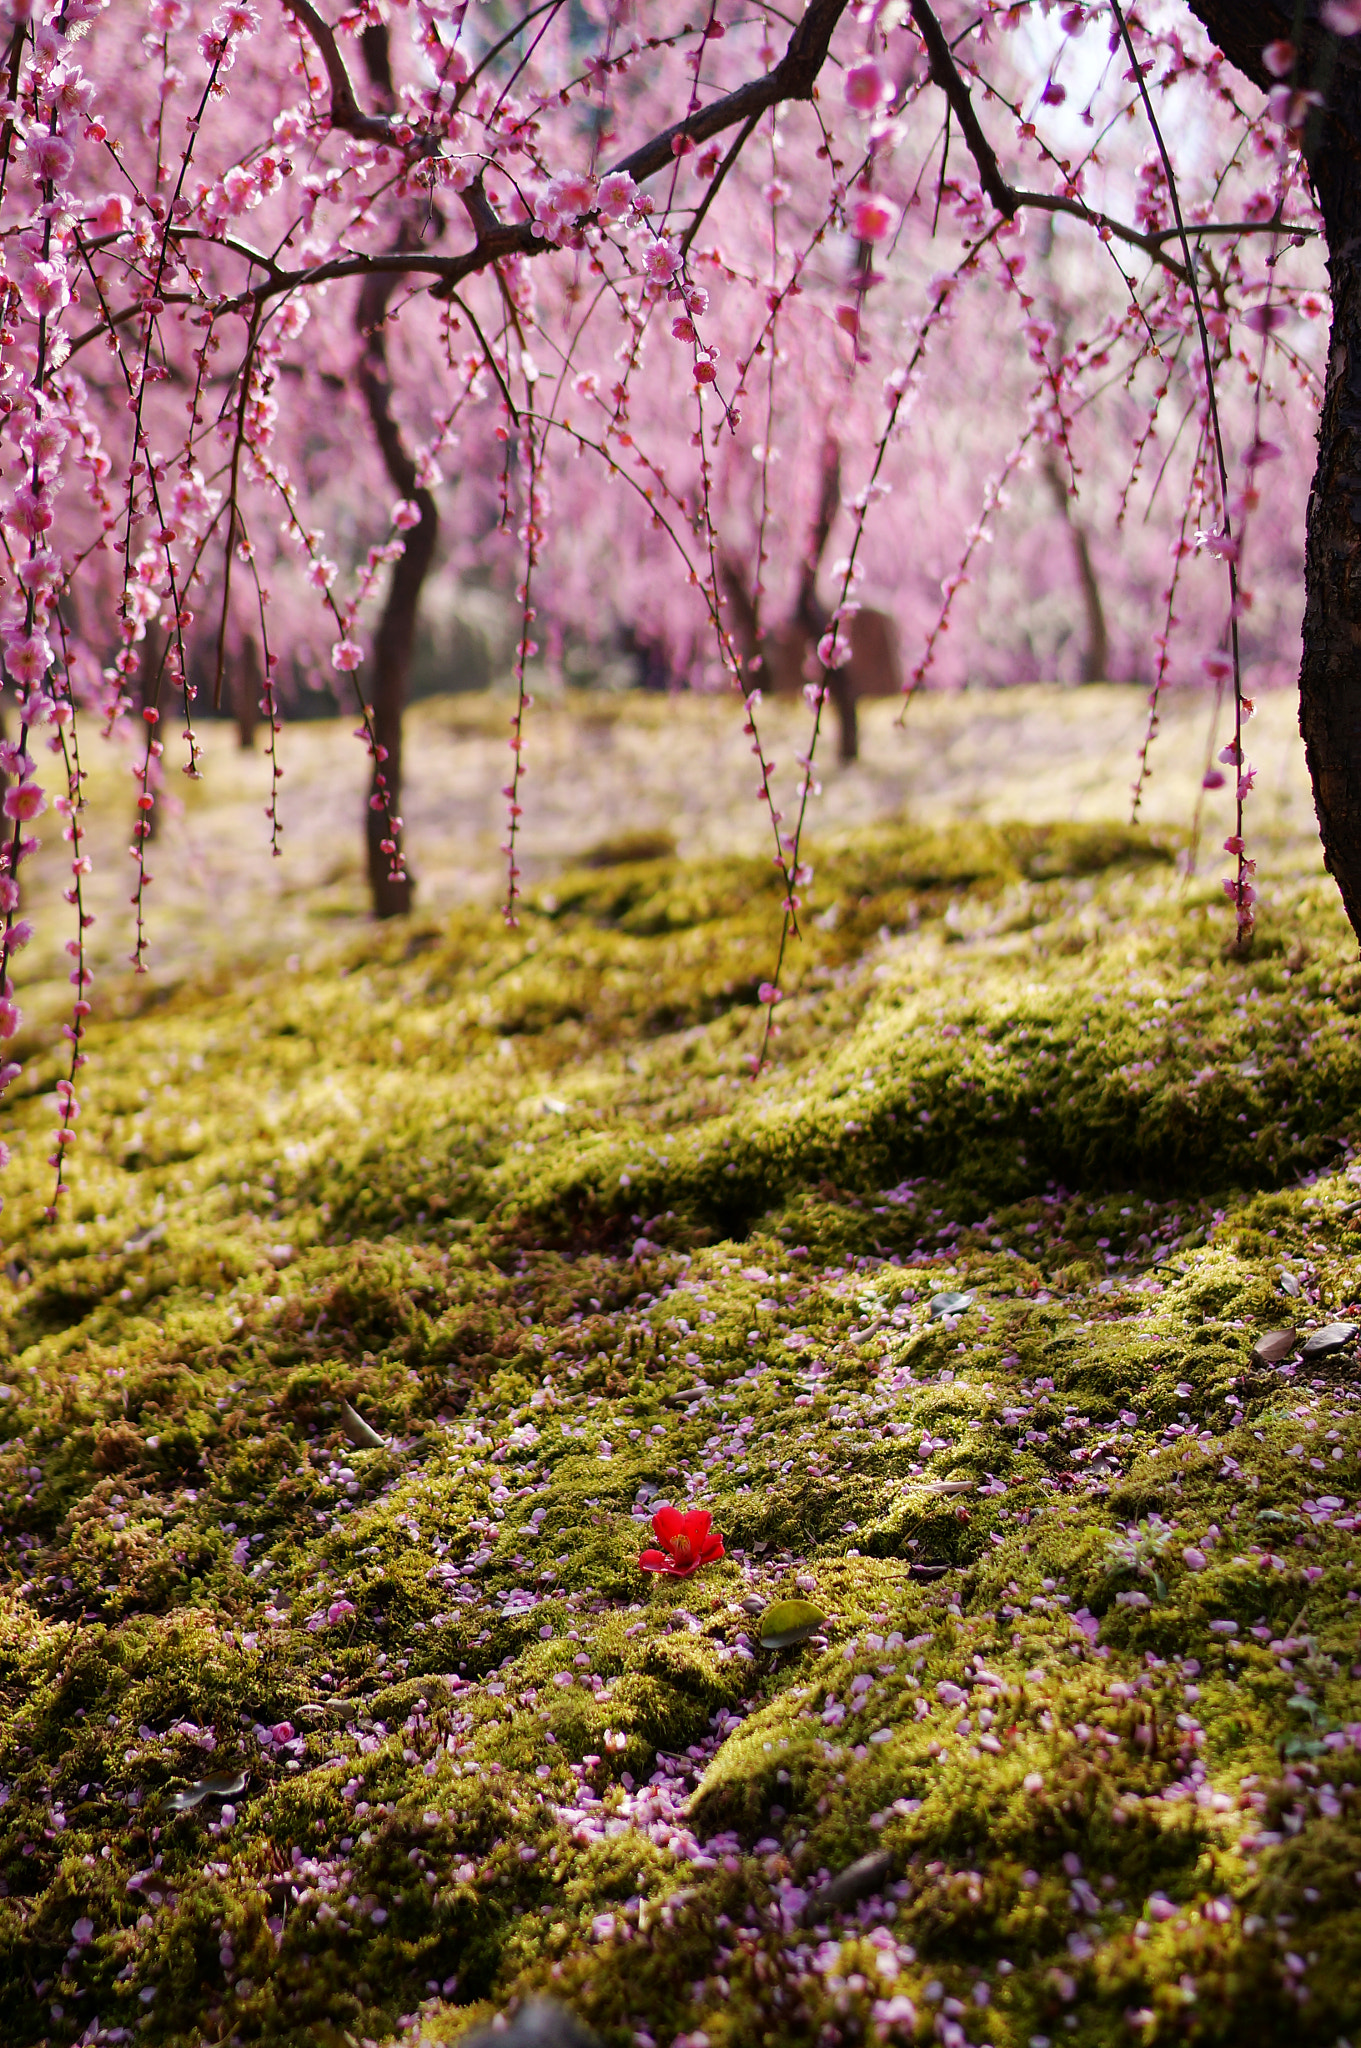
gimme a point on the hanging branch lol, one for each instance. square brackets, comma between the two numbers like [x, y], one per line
[1009, 199]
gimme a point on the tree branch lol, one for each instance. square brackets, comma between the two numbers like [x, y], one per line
[1005, 197]
[346, 113]
[1196, 230]
[793, 78]
[945, 73]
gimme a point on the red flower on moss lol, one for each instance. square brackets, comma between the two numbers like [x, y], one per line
[687, 1541]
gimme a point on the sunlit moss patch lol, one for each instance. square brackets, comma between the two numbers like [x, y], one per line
[310, 1739]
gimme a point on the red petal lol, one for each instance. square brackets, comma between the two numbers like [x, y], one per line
[656, 1561]
[697, 1525]
[713, 1549]
[667, 1524]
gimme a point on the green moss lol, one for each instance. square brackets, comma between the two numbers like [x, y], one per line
[515, 1197]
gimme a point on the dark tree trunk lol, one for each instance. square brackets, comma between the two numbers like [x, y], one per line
[841, 683]
[397, 629]
[1330, 672]
[1096, 654]
[247, 691]
[813, 615]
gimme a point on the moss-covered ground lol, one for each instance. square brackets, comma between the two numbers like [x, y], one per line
[1088, 1676]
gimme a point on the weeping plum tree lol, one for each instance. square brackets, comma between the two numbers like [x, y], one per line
[640, 265]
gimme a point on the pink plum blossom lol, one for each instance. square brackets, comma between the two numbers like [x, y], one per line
[573, 195]
[44, 289]
[873, 217]
[866, 87]
[114, 215]
[49, 157]
[240, 189]
[662, 260]
[27, 657]
[24, 800]
[615, 196]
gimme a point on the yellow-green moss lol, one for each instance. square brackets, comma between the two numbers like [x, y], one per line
[515, 1198]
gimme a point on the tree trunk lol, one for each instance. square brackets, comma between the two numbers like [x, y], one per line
[397, 628]
[841, 683]
[1330, 671]
[1096, 654]
[246, 692]
[148, 689]
[812, 615]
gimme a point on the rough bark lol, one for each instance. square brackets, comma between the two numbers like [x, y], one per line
[1330, 671]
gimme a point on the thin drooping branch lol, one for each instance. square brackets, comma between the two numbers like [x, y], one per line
[238, 443]
[1243, 897]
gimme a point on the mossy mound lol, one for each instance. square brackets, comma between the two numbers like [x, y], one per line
[310, 1740]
